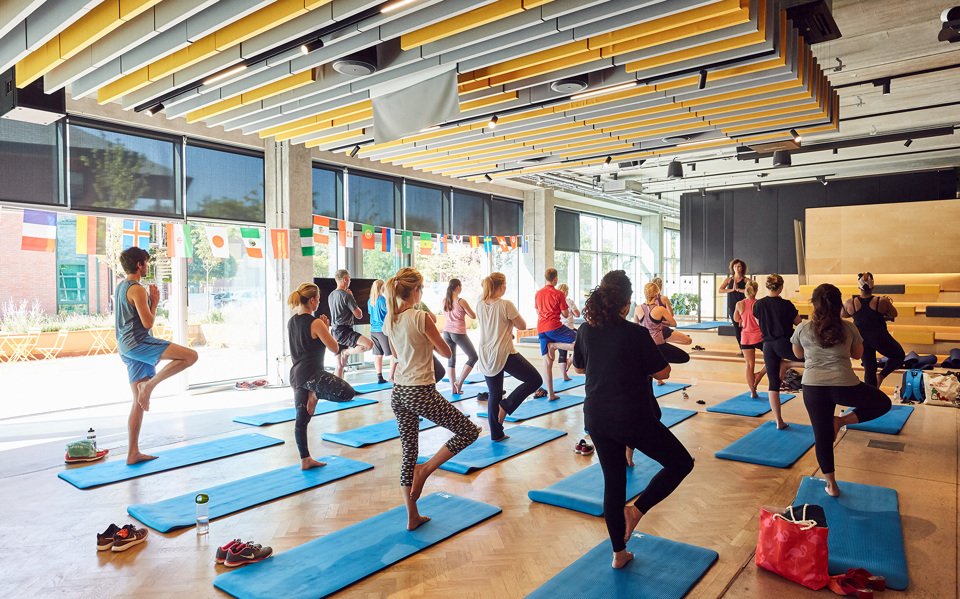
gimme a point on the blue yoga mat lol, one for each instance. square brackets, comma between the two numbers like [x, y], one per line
[337, 560]
[865, 529]
[473, 378]
[744, 405]
[562, 385]
[661, 569]
[538, 407]
[583, 491]
[469, 391]
[672, 416]
[372, 387]
[703, 326]
[890, 423]
[117, 470]
[666, 388]
[372, 433]
[225, 499]
[767, 446]
[288, 414]
[484, 452]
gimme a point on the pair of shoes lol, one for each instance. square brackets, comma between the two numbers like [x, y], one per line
[242, 386]
[120, 539]
[583, 448]
[259, 383]
[101, 453]
[483, 396]
[237, 553]
[541, 392]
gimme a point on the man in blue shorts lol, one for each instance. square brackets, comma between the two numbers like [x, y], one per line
[136, 310]
[551, 306]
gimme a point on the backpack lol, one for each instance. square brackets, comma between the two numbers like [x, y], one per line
[912, 389]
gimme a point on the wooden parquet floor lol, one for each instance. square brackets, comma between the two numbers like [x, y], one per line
[48, 526]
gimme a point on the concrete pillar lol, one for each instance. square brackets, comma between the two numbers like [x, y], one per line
[538, 221]
[651, 257]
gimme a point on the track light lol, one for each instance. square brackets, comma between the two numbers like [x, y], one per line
[836, 151]
[693, 166]
[703, 192]
[492, 124]
[757, 186]
[395, 5]
[908, 143]
[606, 163]
[822, 179]
[596, 179]
[703, 79]
[487, 177]
[884, 86]
[154, 109]
[309, 47]
[675, 170]
[224, 74]
[782, 158]
[354, 151]
[796, 135]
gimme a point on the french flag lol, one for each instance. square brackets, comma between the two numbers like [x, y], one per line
[39, 231]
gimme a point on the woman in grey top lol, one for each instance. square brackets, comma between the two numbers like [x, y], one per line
[827, 343]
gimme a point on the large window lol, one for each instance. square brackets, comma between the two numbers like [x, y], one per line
[605, 244]
[372, 200]
[327, 192]
[423, 209]
[29, 163]
[467, 216]
[671, 261]
[506, 217]
[224, 185]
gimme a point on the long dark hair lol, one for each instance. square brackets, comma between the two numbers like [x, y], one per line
[448, 298]
[733, 263]
[605, 305]
[827, 326]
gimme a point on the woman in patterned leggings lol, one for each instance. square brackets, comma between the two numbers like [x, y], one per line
[414, 337]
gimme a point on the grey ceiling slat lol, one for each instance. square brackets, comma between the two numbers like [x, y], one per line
[13, 12]
[344, 9]
[220, 15]
[205, 98]
[607, 10]
[529, 22]
[137, 97]
[560, 8]
[596, 65]
[495, 54]
[429, 15]
[214, 64]
[39, 27]
[642, 13]
[303, 25]
[171, 12]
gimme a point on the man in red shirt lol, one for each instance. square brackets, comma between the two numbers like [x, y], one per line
[551, 305]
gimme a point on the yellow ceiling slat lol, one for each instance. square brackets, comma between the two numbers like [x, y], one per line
[335, 138]
[353, 118]
[262, 20]
[630, 114]
[253, 95]
[547, 141]
[764, 113]
[488, 101]
[542, 130]
[744, 93]
[310, 121]
[531, 60]
[551, 148]
[483, 151]
[749, 105]
[214, 109]
[460, 23]
[600, 150]
[475, 165]
[769, 124]
[673, 118]
[710, 11]
[548, 67]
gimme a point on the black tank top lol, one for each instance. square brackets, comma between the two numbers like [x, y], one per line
[736, 293]
[866, 318]
[307, 352]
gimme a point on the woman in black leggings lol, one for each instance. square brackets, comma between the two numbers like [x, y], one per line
[776, 317]
[827, 343]
[619, 357]
[733, 287]
[656, 319]
[871, 314]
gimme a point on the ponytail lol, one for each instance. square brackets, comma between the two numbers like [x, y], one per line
[492, 284]
[302, 294]
[399, 287]
[605, 305]
[827, 325]
[376, 290]
[448, 298]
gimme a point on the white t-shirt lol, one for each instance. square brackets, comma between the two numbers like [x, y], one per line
[496, 334]
[414, 349]
[569, 321]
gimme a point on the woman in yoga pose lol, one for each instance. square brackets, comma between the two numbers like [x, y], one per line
[776, 317]
[498, 317]
[675, 337]
[309, 336]
[377, 308]
[653, 317]
[827, 343]
[733, 287]
[455, 311]
[751, 339]
[620, 411]
[413, 338]
[871, 313]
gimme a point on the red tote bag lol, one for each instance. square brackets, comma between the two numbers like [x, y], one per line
[795, 548]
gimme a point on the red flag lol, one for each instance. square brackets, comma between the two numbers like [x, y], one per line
[280, 242]
[474, 241]
[503, 244]
[321, 229]
[513, 242]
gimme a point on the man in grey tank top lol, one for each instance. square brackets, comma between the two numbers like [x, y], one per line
[343, 311]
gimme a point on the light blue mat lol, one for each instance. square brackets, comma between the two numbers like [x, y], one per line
[865, 529]
[337, 560]
[474, 377]
[890, 423]
[767, 446]
[225, 499]
[469, 392]
[574, 382]
[483, 452]
[661, 569]
[744, 405]
[672, 416]
[372, 433]
[372, 387]
[666, 388]
[288, 414]
[117, 470]
[703, 326]
[538, 407]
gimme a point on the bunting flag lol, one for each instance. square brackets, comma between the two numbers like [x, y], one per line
[217, 237]
[321, 230]
[252, 241]
[91, 235]
[458, 239]
[39, 231]
[386, 239]
[406, 242]
[306, 241]
[179, 242]
[441, 246]
[502, 242]
[345, 234]
[280, 243]
[426, 244]
[526, 244]
[136, 233]
[488, 244]
[513, 242]
[474, 241]
[367, 240]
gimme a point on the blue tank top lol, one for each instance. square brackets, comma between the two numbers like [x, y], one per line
[128, 327]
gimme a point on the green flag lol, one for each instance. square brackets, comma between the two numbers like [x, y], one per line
[406, 242]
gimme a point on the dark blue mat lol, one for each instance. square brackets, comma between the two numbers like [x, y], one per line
[225, 499]
[372, 433]
[744, 405]
[484, 452]
[865, 529]
[117, 470]
[661, 569]
[538, 407]
[666, 388]
[574, 382]
[337, 560]
[288, 414]
[583, 491]
[703, 326]
[890, 423]
[767, 446]
[672, 416]
[469, 391]
[372, 387]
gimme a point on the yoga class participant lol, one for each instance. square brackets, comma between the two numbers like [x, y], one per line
[751, 339]
[309, 336]
[343, 311]
[551, 306]
[377, 306]
[136, 311]
[827, 343]
[455, 311]
[620, 411]
[498, 318]
[733, 287]
[871, 313]
[653, 318]
[776, 317]
[569, 321]
[414, 337]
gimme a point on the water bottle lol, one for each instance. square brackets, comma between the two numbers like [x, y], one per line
[203, 513]
[92, 437]
[896, 393]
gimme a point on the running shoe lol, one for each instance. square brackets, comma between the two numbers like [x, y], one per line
[482, 396]
[242, 386]
[105, 540]
[246, 553]
[222, 550]
[127, 537]
[583, 448]
[259, 383]
[541, 392]
[102, 453]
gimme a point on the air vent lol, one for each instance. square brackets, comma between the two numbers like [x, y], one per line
[570, 85]
[677, 139]
[813, 20]
[358, 64]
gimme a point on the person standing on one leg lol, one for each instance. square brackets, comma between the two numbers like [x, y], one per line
[733, 287]
[669, 334]
[343, 312]
[498, 318]
[620, 411]
[655, 319]
[309, 336]
[776, 318]
[136, 311]
[870, 314]
[551, 306]
[455, 311]
[827, 343]
[377, 306]
[414, 338]
[569, 321]
[751, 339]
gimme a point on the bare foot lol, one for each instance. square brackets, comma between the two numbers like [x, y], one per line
[621, 559]
[832, 490]
[308, 463]
[414, 523]
[781, 425]
[136, 458]
[143, 395]
[554, 397]
[630, 462]
[659, 382]
[419, 478]
[502, 415]
[632, 516]
[754, 394]
[567, 377]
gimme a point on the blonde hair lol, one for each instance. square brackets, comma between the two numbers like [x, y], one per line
[563, 288]
[302, 294]
[492, 284]
[651, 291]
[376, 290]
[751, 289]
[658, 282]
[400, 287]
[774, 282]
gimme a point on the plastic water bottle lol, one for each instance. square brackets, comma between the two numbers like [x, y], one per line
[896, 393]
[92, 437]
[203, 513]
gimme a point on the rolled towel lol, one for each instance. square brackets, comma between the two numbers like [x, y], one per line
[953, 361]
